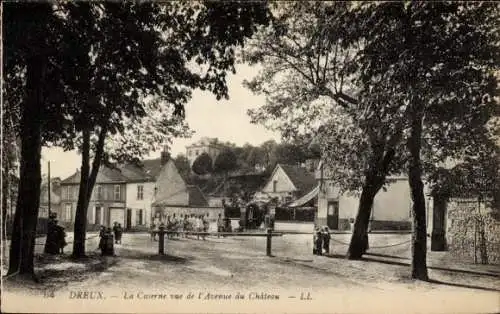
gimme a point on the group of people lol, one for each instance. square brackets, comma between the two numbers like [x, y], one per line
[321, 241]
[106, 233]
[182, 225]
[56, 237]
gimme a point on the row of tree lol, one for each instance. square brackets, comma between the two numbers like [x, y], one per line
[108, 79]
[249, 158]
[386, 88]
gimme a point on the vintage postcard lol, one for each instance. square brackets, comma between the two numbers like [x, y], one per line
[250, 157]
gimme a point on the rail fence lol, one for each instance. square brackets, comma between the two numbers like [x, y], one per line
[269, 234]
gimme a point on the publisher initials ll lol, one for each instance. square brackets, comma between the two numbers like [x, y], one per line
[304, 296]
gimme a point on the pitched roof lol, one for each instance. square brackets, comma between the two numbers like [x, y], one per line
[306, 198]
[135, 173]
[147, 170]
[196, 197]
[303, 180]
[105, 175]
[152, 167]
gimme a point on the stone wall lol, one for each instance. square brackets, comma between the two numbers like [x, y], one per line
[390, 225]
[473, 233]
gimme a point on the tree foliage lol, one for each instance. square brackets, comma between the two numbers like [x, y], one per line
[444, 83]
[203, 164]
[225, 162]
[27, 55]
[134, 51]
[311, 92]
[143, 135]
[98, 63]
[380, 84]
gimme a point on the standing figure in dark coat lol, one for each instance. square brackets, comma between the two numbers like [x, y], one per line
[115, 230]
[61, 238]
[106, 243]
[318, 242]
[102, 232]
[118, 231]
[56, 238]
[326, 240]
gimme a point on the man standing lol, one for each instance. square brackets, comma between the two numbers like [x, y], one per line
[220, 224]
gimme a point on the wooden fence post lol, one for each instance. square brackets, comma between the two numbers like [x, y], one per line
[269, 237]
[161, 241]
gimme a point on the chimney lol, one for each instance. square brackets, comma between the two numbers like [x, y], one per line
[165, 157]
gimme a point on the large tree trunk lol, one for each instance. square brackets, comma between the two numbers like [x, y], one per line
[6, 169]
[25, 219]
[96, 163]
[374, 181]
[359, 238]
[82, 205]
[87, 182]
[419, 230]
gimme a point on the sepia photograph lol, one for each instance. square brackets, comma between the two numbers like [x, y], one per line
[250, 157]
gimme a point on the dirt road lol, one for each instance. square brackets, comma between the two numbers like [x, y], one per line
[220, 267]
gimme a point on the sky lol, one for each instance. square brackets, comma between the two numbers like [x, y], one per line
[207, 117]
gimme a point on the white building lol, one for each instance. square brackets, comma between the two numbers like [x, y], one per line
[140, 190]
[205, 145]
[288, 183]
[391, 208]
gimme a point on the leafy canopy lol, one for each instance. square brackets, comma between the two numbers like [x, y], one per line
[226, 161]
[346, 74]
[202, 164]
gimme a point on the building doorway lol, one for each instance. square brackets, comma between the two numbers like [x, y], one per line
[116, 215]
[332, 219]
[129, 219]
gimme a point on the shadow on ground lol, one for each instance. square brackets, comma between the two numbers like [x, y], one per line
[444, 269]
[56, 271]
[167, 258]
[453, 284]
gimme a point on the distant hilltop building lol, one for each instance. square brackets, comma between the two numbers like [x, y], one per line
[211, 146]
